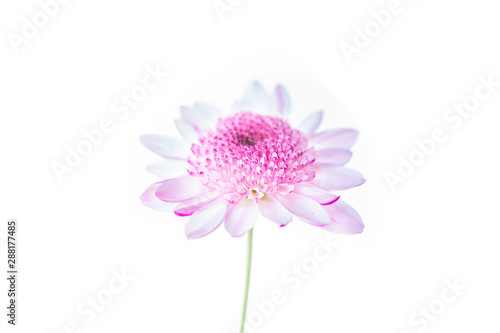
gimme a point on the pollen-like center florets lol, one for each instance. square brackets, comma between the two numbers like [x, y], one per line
[251, 155]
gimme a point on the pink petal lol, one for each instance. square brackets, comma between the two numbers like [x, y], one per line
[206, 219]
[180, 189]
[187, 130]
[311, 123]
[166, 147]
[335, 178]
[306, 209]
[168, 168]
[310, 190]
[148, 198]
[241, 217]
[335, 138]
[201, 116]
[281, 104]
[284, 189]
[345, 219]
[333, 156]
[272, 210]
[255, 100]
[233, 197]
[188, 207]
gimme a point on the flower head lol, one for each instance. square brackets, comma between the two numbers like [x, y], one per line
[231, 168]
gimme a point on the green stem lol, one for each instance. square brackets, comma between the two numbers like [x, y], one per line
[247, 282]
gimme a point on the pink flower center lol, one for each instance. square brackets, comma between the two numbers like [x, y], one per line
[250, 155]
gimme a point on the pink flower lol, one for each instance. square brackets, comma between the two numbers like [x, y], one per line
[229, 169]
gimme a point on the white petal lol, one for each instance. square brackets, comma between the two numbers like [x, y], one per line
[272, 210]
[345, 219]
[306, 209]
[180, 188]
[206, 219]
[188, 207]
[187, 130]
[241, 217]
[335, 178]
[168, 168]
[148, 198]
[166, 147]
[281, 104]
[201, 116]
[335, 138]
[255, 100]
[333, 156]
[311, 123]
[310, 190]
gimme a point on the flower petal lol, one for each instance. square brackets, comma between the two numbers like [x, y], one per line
[201, 116]
[241, 217]
[284, 189]
[335, 138]
[335, 178]
[281, 104]
[188, 207]
[206, 219]
[180, 189]
[306, 209]
[311, 123]
[165, 146]
[273, 210]
[345, 219]
[232, 197]
[168, 168]
[255, 99]
[148, 198]
[333, 156]
[310, 190]
[187, 130]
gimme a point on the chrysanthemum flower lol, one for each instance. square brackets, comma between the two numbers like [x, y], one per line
[231, 168]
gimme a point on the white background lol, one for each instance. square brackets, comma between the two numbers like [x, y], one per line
[441, 223]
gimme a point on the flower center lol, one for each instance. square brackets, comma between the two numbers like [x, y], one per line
[251, 155]
[246, 140]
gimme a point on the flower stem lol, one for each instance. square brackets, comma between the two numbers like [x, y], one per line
[247, 281]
